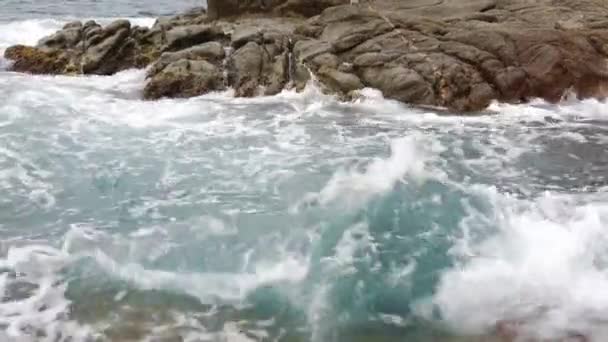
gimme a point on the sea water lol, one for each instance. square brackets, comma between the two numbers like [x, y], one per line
[295, 217]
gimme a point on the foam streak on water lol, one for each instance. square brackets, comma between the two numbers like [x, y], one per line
[293, 217]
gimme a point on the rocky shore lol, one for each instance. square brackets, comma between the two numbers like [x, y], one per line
[459, 54]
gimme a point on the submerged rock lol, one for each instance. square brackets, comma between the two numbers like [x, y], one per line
[459, 54]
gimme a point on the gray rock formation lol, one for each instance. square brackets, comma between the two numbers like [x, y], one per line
[88, 49]
[459, 54]
[184, 78]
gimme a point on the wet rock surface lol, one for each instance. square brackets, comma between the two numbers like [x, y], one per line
[459, 54]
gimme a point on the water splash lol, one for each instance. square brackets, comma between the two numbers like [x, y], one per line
[200, 211]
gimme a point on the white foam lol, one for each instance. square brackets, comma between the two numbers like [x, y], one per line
[120, 257]
[574, 136]
[44, 308]
[544, 253]
[27, 32]
[545, 269]
[355, 246]
[407, 162]
[47, 310]
[538, 110]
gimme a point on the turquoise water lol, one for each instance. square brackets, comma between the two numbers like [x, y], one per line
[293, 217]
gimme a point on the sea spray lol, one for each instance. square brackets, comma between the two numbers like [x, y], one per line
[539, 271]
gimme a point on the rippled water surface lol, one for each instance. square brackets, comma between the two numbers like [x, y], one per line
[42, 9]
[289, 218]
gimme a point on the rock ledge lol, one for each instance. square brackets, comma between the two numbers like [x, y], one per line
[459, 54]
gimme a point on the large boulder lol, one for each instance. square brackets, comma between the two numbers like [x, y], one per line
[232, 8]
[88, 49]
[306, 8]
[339, 81]
[181, 37]
[67, 38]
[37, 61]
[461, 54]
[184, 78]
[211, 51]
[107, 48]
[261, 62]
